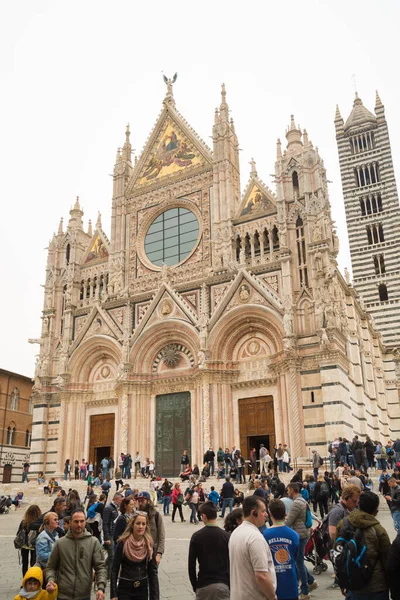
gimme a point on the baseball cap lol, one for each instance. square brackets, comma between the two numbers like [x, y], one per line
[143, 495]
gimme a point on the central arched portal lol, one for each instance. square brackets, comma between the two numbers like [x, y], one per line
[173, 431]
[256, 423]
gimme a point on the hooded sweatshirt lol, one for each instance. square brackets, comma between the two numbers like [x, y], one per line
[35, 573]
[71, 563]
[378, 547]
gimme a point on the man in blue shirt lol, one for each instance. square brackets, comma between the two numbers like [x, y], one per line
[284, 544]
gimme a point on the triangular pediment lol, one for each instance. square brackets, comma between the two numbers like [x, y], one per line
[172, 149]
[98, 322]
[293, 164]
[97, 250]
[257, 201]
[246, 289]
[167, 304]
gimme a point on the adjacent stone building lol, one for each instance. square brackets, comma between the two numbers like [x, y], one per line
[211, 316]
[372, 213]
[15, 424]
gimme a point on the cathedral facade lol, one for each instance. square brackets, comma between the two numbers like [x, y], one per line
[210, 317]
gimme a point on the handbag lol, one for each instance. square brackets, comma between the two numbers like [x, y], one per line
[180, 500]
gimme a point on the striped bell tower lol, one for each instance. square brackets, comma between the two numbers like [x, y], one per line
[372, 213]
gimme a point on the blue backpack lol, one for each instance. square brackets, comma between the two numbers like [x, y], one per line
[352, 568]
[91, 511]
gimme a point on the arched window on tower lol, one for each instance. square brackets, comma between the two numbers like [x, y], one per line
[14, 399]
[101, 285]
[383, 293]
[257, 249]
[238, 247]
[11, 434]
[301, 252]
[362, 206]
[295, 183]
[381, 237]
[28, 437]
[247, 246]
[266, 241]
[275, 238]
[68, 253]
[379, 264]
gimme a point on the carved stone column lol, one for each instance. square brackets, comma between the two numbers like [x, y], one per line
[295, 422]
[124, 423]
[206, 415]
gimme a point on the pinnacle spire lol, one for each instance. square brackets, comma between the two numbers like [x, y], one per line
[338, 116]
[378, 101]
[89, 229]
[76, 213]
[98, 222]
[293, 136]
[305, 138]
[127, 149]
[224, 108]
[278, 149]
[60, 227]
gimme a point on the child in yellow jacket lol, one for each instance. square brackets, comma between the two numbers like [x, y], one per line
[32, 586]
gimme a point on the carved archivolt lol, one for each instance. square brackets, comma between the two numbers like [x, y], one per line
[243, 321]
[170, 355]
[88, 360]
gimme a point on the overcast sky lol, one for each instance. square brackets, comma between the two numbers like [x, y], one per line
[72, 74]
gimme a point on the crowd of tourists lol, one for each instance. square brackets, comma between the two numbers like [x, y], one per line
[259, 553]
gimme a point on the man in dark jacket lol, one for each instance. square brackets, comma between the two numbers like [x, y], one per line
[227, 495]
[209, 547]
[396, 448]
[110, 515]
[394, 501]
[393, 569]
[377, 543]
[209, 458]
[59, 506]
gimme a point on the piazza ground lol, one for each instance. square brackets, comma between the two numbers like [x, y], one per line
[174, 581]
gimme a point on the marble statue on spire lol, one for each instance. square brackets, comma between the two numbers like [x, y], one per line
[169, 83]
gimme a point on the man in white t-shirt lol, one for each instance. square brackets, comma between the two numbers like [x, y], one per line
[252, 571]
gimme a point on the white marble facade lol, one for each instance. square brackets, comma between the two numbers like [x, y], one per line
[257, 307]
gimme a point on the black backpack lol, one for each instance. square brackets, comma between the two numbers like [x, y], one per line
[324, 490]
[352, 567]
[323, 541]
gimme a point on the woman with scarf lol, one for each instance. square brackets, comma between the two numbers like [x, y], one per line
[129, 575]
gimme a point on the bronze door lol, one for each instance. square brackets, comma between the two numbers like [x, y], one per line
[172, 432]
[256, 423]
[101, 438]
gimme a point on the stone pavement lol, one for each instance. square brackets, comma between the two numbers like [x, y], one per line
[174, 582]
